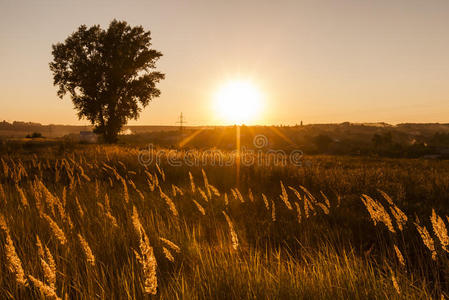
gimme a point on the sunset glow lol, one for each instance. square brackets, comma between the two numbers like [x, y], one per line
[238, 102]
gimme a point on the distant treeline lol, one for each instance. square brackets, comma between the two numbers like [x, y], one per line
[372, 139]
[405, 140]
[20, 129]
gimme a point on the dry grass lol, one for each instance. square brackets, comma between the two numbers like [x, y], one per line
[173, 232]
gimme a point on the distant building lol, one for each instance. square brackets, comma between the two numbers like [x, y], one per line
[88, 137]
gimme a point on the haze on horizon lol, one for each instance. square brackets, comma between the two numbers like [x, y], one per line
[316, 61]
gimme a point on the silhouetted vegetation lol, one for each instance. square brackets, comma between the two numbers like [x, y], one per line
[108, 74]
[343, 139]
[34, 135]
[403, 140]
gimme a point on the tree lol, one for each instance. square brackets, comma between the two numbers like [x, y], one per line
[108, 73]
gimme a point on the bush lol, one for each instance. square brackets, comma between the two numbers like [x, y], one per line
[34, 135]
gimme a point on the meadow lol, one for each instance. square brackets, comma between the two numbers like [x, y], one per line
[92, 222]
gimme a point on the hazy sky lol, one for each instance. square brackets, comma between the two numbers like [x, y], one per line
[316, 61]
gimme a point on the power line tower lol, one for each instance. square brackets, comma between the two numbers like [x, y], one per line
[181, 121]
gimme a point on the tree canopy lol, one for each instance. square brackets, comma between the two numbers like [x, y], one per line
[109, 74]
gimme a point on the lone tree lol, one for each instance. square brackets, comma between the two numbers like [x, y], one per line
[108, 73]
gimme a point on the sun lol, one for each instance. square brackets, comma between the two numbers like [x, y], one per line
[238, 102]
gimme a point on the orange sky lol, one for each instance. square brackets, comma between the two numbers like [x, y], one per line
[316, 61]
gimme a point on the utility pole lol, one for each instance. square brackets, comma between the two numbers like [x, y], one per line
[181, 121]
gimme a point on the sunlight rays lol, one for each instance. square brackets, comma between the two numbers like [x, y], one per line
[238, 101]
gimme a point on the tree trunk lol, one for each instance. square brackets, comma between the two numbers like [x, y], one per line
[110, 136]
[112, 129]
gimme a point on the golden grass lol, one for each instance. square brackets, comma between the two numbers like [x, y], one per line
[234, 238]
[14, 263]
[156, 232]
[90, 258]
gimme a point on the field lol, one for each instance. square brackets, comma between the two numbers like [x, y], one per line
[92, 222]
